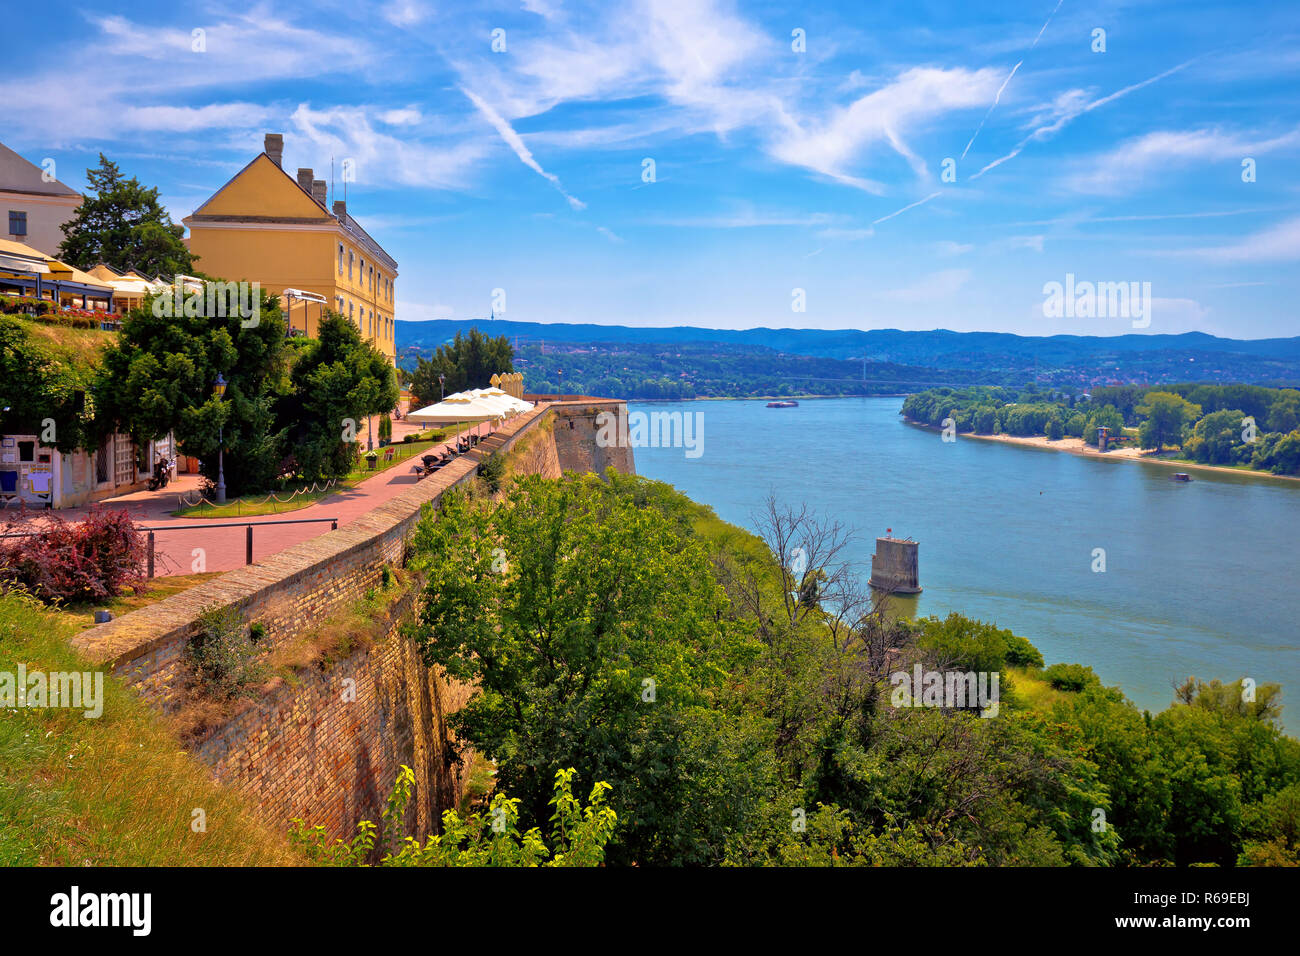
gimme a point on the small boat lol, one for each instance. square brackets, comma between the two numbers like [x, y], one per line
[785, 404]
[1180, 476]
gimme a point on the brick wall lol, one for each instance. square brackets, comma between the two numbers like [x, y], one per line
[305, 749]
[576, 428]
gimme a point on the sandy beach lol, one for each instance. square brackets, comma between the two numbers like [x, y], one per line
[1077, 446]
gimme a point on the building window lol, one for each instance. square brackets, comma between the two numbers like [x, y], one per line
[350, 258]
[17, 223]
[340, 258]
[372, 278]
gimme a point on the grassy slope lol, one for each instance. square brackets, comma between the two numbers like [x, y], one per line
[116, 790]
[81, 348]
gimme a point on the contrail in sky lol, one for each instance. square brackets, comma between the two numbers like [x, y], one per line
[998, 98]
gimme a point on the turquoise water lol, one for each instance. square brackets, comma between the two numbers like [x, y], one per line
[1201, 578]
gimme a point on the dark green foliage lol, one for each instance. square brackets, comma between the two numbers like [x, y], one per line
[492, 471]
[1209, 422]
[122, 224]
[45, 396]
[598, 639]
[1071, 677]
[772, 737]
[160, 374]
[338, 381]
[468, 361]
[223, 655]
[959, 643]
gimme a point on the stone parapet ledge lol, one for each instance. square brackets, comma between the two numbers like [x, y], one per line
[315, 570]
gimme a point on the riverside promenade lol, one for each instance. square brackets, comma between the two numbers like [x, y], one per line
[224, 549]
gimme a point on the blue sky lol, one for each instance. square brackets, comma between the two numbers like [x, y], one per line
[776, 169]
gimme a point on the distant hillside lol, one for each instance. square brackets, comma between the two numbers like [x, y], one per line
[889, 345]
[1065, 360]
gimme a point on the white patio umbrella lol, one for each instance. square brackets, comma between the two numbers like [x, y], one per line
[457, 407]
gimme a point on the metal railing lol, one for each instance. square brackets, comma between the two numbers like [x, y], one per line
[248, 537]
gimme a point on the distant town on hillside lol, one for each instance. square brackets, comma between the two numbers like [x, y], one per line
[683, 362]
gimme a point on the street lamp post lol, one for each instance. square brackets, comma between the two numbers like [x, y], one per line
[220, 388]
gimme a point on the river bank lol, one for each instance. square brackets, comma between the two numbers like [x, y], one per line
[1077, 446]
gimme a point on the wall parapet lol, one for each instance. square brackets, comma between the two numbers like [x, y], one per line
[302, 751]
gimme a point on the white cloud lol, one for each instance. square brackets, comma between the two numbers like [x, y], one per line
[917, 96]
[507, 133]
[1281, 243]
[403, 117]
[1073, 108]
[381, 159]
[404, 13]
[1133, 162]
[947, 248]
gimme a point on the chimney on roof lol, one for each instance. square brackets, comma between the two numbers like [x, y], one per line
[340, 209]
[273, 146]
[318, 190]
[304, 179]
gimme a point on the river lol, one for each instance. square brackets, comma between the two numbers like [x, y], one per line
[1200, 578]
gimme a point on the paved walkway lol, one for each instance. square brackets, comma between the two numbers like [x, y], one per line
[186, 546]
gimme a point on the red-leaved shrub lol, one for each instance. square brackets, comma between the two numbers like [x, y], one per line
[91, 560]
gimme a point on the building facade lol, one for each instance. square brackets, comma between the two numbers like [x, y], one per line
[268, 227]
[33, 203]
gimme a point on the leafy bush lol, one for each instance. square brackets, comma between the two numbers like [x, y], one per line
[965, 644]
[97, 558]
[578, 839]
[492, 471]
[223, 654]
[1071, 677]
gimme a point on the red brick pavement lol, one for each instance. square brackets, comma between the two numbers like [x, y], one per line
[224, 549]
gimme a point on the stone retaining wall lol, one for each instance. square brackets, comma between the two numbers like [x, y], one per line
[312, 749]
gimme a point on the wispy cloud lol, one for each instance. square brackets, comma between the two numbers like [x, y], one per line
[1074, 111]
[998, 98]
[1132, 163]
[1279, 243]
[507, 133]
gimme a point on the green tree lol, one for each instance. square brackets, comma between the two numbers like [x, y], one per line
[1165, 416]
[122, 224]
[468, 361]
[1284, 413]
[338, 381]
[1278, 453]
[159, 377]
[1216, 438]
[1108, 416]
[44, 393]
[597, 638]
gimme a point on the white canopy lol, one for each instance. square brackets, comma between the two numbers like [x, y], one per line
[476, 405]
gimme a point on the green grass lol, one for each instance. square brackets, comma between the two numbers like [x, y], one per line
[82, 616]
[80, 348]
[109, 791]
[1032, 692]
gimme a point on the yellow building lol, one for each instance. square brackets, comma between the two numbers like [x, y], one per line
[267, 227]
